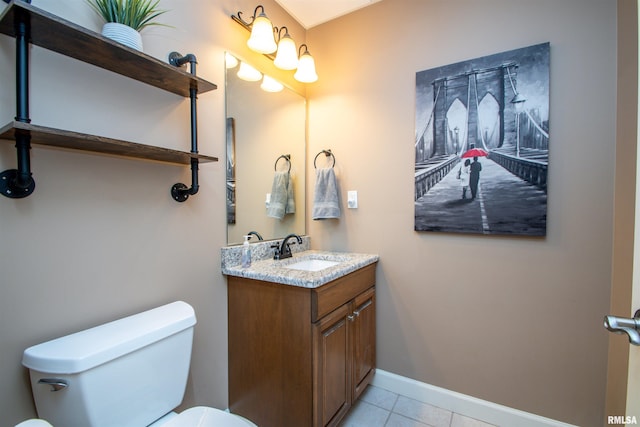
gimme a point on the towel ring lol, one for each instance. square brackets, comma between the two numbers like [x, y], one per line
[287, 157]
[326, 153]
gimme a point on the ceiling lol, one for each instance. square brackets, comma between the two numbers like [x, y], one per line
[310, 13]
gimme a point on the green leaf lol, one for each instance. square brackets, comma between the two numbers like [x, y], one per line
[136, 14]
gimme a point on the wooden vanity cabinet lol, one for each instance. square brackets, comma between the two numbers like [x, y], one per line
[298, 356]
[344, 357]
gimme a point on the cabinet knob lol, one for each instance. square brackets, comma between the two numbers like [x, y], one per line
[351, 317]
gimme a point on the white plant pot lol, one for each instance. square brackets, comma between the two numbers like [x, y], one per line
[123, 34]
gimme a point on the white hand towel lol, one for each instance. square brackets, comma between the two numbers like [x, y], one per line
[326, 199]
[282, 201]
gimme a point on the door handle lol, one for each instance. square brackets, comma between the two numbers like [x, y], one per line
[621, 325]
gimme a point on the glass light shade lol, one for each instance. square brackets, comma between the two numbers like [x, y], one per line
[262, 39]
[269, 84]
[230, 61]
[248, 73]
[306, 72]
[287, 56]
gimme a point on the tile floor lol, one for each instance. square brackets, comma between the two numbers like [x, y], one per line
[378, 407]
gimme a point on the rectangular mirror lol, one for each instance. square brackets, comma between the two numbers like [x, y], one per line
[262, 127]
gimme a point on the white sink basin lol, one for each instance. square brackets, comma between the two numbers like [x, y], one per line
[312, 264]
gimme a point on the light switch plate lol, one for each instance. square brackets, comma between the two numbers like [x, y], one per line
[352, 199]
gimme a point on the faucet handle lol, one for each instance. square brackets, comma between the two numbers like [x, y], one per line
[276, 252]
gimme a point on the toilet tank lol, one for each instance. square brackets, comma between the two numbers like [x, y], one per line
[126, 373]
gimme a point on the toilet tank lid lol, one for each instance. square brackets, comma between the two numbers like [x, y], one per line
[86, 349]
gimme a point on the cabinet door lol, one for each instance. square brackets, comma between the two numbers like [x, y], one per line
[332, 365]
[364, 341]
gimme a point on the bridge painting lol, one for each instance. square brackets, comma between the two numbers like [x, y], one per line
[499, 104]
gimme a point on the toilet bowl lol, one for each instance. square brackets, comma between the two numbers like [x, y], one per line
[202, 416]
[34, 423]
[199, 416]
[131, 372]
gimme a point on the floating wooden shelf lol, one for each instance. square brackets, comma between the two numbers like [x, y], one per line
[30, 25]
[50, 137]
[65, 37]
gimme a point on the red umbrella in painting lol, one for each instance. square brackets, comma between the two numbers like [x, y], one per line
[475, 152]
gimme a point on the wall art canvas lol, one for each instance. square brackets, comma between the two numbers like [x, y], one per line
[482, 145]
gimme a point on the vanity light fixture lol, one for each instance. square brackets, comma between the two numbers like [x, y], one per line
[230, 61]
[269, 84]
[262, 40]
[306, 72]
[287, 56]
[248, 73]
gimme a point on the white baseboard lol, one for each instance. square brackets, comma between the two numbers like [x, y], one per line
[460, 403]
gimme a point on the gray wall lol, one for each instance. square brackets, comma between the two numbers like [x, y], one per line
[516, 321]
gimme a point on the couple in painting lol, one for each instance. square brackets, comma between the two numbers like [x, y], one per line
[469, 175]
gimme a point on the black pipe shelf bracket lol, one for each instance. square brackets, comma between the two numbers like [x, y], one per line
[28, 25]
[18, 183]
[180, 192]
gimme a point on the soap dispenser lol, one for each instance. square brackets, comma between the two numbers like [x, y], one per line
[246, 253]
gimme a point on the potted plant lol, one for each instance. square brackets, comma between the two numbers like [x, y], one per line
[125, 18]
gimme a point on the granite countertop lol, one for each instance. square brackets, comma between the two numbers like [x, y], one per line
[271, 270]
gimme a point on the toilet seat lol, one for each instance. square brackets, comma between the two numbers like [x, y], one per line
[202, 416]
[34, 423]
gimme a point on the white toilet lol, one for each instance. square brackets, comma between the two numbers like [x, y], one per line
[128, 373]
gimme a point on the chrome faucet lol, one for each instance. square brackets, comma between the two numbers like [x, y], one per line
[620, 325]
[284, 251]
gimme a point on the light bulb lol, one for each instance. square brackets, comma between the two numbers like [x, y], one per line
[306, 72]
[287, 56]
[248, 73]
[230, 61]
[269, 84]
[262, 39]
